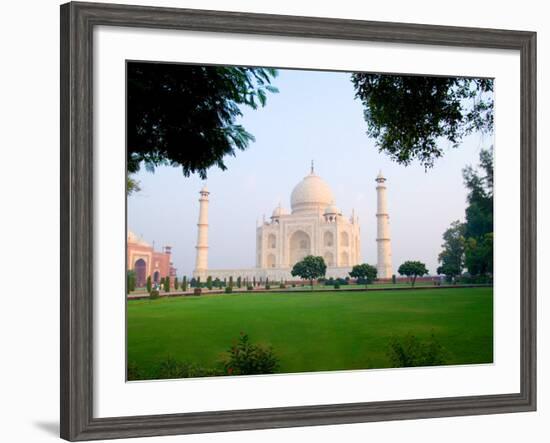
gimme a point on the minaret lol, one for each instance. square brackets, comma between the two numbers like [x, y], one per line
[201, 264]
[383, 230]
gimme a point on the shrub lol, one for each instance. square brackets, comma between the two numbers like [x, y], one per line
[467, 279]
[267, 286]
[197, 291]
[184, 284]
[133, 372]
[149, 285]
[170, 368]
[393, 279]
[154, 294]
[166, 284]
[228, 289]
[293, 285]
[239, 282]
[176, 285]
[245, 358]
[250, 287]
[336, 281]
[209, 282]
[131, 281]
[409, 351]
[337, 286]
[282, 286]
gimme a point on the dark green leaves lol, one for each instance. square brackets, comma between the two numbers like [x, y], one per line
[408, 115]
[310, 268]
[185, 115]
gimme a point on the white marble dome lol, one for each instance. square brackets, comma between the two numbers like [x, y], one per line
[312, 194]
[332, 209]
[279, 211]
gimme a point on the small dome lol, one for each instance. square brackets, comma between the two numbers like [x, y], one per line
[332, 210]
[312, 194]
[133, 238]
[279, 211]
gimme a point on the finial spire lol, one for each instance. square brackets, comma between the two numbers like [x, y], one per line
[312, 167]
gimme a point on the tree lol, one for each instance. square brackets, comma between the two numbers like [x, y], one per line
[452, 255]
[184, 283]
[131, 280]
[149, 285]
[176, 284]
[408, 115]
[412, 269]
[479, 213]
[185, 115]
[209, 282]
[479, 255]
[166, 285]
[310, 268]
[364, 272]
[239, 281]
[231, 282]
[478, 229]
[132, 185]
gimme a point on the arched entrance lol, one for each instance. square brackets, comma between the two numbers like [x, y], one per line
[344, 239]
[344, 259]
[328, 238]
[140, 268]
[329, 258]
[300, 246]
[156, 277]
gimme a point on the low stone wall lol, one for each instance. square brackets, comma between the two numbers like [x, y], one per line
[273, 274]
[309, 291]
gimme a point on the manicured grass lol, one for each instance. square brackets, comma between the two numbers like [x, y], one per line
[316, 331]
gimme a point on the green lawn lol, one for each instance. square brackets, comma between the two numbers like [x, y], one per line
[312, 332]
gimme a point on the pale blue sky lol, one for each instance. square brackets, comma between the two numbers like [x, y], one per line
[314, 116]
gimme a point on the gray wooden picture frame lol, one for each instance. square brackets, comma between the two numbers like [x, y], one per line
[77, 23]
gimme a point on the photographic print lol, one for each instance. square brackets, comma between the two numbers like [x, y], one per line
[289, 221]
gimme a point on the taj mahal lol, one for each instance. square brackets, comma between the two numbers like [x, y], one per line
[314, 226]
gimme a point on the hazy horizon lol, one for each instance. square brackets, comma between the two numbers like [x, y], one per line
[313, 117]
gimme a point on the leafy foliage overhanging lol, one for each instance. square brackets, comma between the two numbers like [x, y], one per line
[186, 115]
[410, 115]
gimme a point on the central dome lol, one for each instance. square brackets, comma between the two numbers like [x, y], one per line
[312, 194]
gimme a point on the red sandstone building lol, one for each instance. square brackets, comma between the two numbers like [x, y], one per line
[145, 261]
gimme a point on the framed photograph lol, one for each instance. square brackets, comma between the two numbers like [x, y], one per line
[273, 221]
